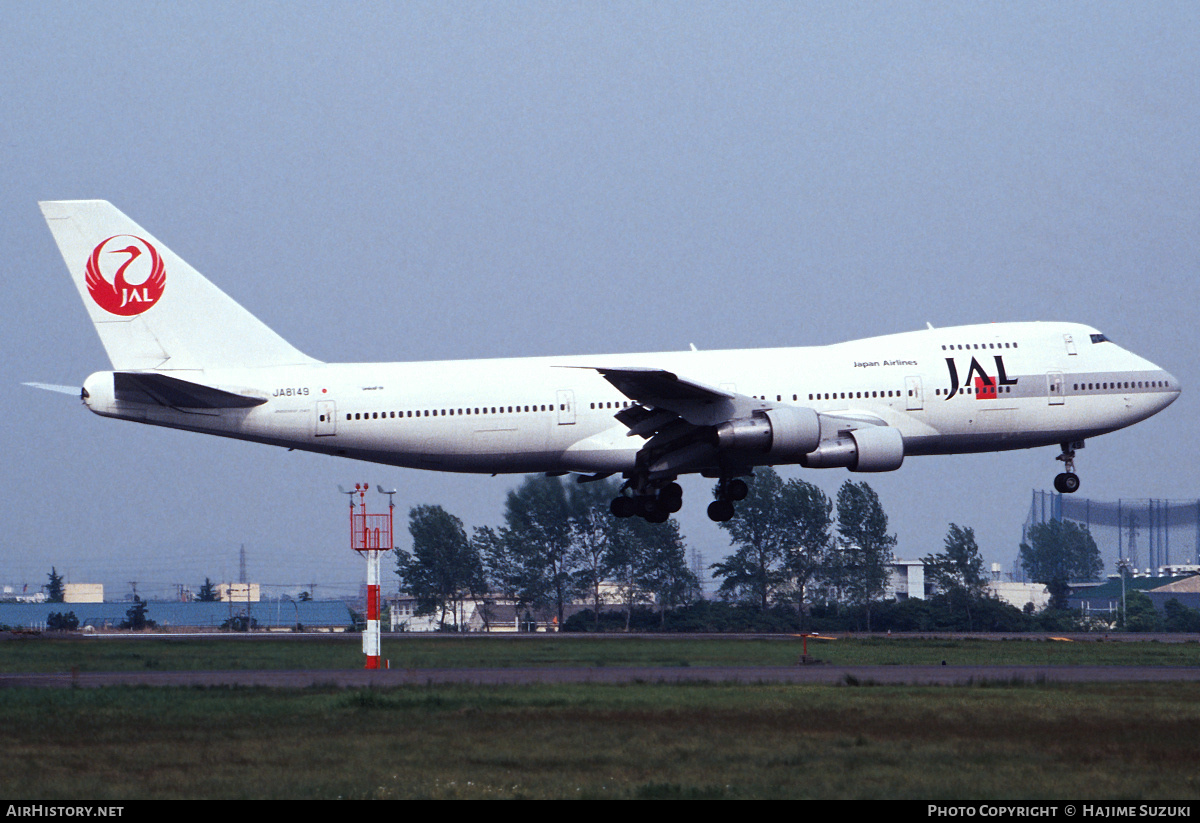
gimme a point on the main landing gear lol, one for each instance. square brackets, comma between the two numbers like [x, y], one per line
[655, 503]
[1068, 481]
[657, 500]
[729, 491]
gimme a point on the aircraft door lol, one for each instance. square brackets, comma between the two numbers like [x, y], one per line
[566, 407]
[913, 394]
[1054, 388]
[326, 418]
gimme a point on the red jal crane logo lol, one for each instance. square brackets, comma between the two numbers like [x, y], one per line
[125, 275]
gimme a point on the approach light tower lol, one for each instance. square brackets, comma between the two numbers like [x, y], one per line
[370, 536]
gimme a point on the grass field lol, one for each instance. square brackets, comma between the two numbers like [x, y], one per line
[208, 652]
[983, 742]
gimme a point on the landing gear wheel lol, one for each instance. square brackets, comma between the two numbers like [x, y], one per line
[623, 507]
[736, 489]
[1066, 483]
[649, 508]
[720, 511]
[670, 498]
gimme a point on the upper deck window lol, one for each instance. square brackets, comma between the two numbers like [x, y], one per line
[1100, 338]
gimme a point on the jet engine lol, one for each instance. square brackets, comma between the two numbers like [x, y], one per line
[784, 434]
[869, 449]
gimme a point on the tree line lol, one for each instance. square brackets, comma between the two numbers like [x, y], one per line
[793, 550]
[559, 545]
[799, 561]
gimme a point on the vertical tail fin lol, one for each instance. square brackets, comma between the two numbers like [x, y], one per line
[151, 309]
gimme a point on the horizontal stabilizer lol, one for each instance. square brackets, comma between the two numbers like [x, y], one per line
[55, 387]
[145, 387]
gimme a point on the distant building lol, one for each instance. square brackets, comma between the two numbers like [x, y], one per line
[1020, 594]
[237, 592]
[907, 580]
[1105, 598]
[83, 593]
[492, 615]
[10, 595]
[1186, 591]
[270, 615]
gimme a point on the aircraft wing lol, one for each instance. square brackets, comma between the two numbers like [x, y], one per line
[687, 423]
[649, 385]
[675, 414]
[661, 390]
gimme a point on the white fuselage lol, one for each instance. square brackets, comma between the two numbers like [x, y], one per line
[953, 390]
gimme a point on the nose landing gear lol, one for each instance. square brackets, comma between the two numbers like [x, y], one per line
[1068, 481]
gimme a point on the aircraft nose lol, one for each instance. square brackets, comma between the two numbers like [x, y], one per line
[1172, 389]
[1173, 383]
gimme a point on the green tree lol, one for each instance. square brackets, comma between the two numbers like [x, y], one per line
[62, 622]
[1057, 552]
[541, 556]
[1140, 614]
[957, 571]
[135, 616]
[650, 559]
[55, 589]
[806, 525]
[240, 622]
[862, 562]
[782, 534]
[1179, 618]
[208, 592]
[504, 566]
[560, 543]
[754, 571]
[592, 531]
[444, 568]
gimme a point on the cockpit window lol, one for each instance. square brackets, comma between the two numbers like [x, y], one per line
[1100, 338]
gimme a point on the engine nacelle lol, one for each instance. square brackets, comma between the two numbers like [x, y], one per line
[784, 434]
[869, 449]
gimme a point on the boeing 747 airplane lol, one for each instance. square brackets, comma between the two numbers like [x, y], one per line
[186, 356]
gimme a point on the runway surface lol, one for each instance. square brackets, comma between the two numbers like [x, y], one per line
[813, 674]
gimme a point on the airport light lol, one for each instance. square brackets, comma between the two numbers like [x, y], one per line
[1123, 568]
[370, 536]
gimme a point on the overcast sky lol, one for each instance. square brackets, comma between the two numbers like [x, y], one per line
[417, 181]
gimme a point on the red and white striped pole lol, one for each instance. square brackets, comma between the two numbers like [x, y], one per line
[371, 634]
[369, 534]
